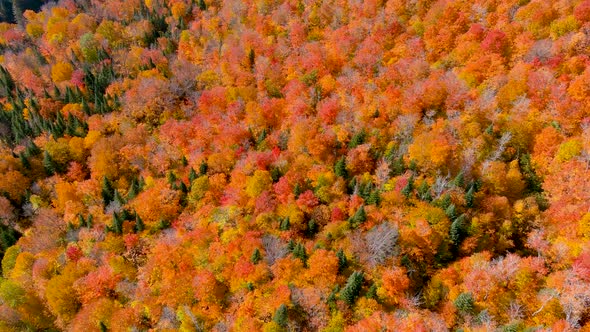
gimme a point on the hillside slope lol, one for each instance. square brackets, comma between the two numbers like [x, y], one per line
[299, 165]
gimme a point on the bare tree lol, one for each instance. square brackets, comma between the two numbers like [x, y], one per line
[440, 185]
[381, 241]
[274, 248]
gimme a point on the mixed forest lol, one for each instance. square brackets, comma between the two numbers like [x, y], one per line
[296, 165]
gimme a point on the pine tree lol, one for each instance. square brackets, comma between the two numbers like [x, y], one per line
[357, 139]
[374, 197]
[300, 252]
[397, 166]
[312, 227]
[163, 224]
[89, 221]
[340, 168]
[107, 191]
[352, 288]
[133, 189]
[424, 192]
[297, 190]
[251, 59]
[352, 186]
[117, 198]
[85, 108]
[281, 317]
[256, 256]
[24, 160]
[192, 176]
[445, 201]
[465, 303]
[284, 224]
[183, 187]
[171, 178]
[409, 188]
[451, 211]
[459, 180]
[81, 221]
[342, 260]
[372, 292]
[125, 215]
[457, 229]
[203, 168]
[359, 217]
[139, 225]
[470, 197]
[275, 174]
[32, 149]
[49, 164]
[117, 227]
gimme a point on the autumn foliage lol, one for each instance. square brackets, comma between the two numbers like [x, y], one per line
[332, 165]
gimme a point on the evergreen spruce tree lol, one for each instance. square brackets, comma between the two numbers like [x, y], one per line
[465, 303]
[139, 225]
[424, 192]
[357, 139]
[281, 317]
[459, 180]
[340, 168]
[409, 187]
[171, 178]
[457, 229]
[117, 227]
[297, 190]
[275, 174]
[81, 221]
[451, 211]
[285, 224]
[397, 166]
[372, 292]
[300, 252]
[183, 187]
[359, 217]
[374, 197]
[49, 164]
[32, 149]
[352, 288]
[117, 198]
[107, 191]
[291, 245]
[256, 256]
[24, 160]
[203, 168]
[470, 197]
[312, 227]
[342, 260]
[133, 189]
[192, 176]
[445, 201]
[85, 108]
[251, 58]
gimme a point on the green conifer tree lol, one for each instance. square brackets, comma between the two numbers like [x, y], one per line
[352, 288]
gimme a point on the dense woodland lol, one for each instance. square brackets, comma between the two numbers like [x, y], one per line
[297, 165]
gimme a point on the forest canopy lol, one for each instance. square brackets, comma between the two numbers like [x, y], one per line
[295, 165]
